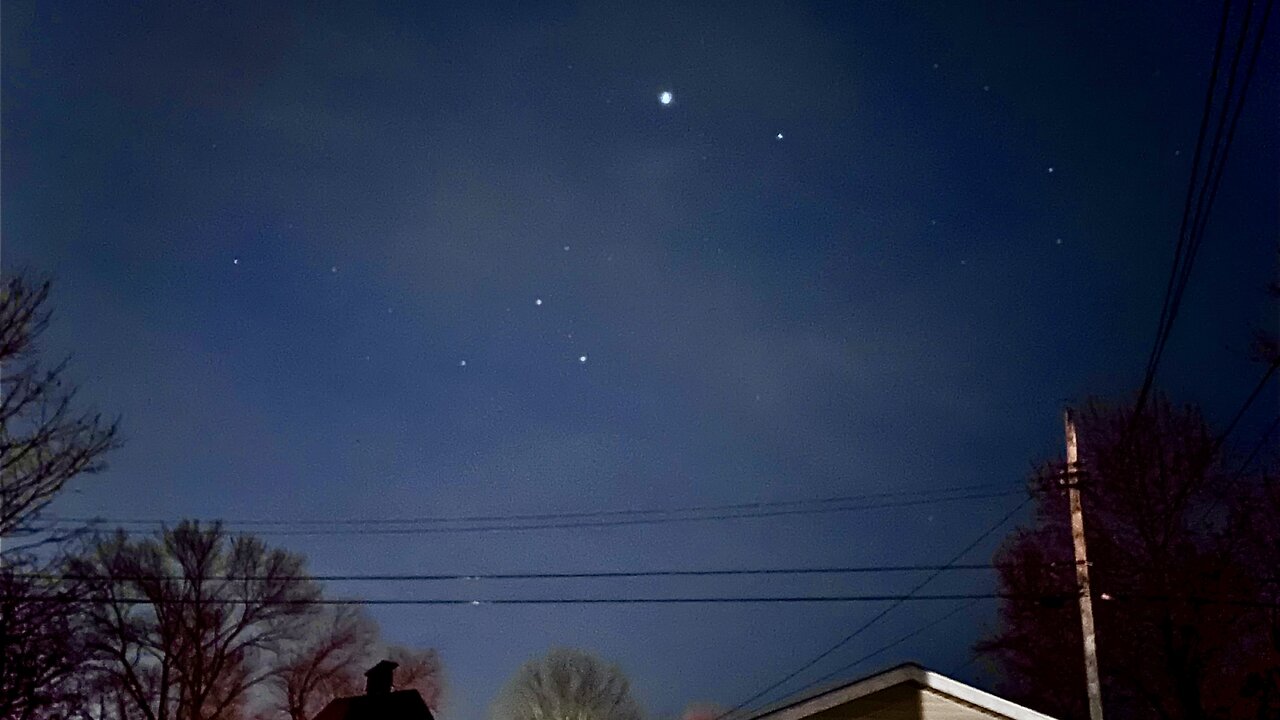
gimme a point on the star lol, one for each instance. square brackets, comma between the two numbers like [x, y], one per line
[935, 66]
[665, 97]
[582, 358]
[778, 136]
[1058, 241]
[566, 248]
[537, 301]
[235, 261]
[986, 88]
[1050, 169]
[333, 269]
[462, 363]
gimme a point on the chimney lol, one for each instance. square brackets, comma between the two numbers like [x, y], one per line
[378, 678]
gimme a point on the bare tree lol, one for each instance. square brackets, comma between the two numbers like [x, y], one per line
[567, 685]
[44, 440]
[185, 624]
[44, 443]
[326, 664]
[419, 670]
[42, 643]
[1183, 554]
[329, 663]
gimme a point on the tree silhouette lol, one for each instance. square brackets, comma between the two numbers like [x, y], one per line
[567, 685]
[1182, 567]
[216, 616]
[44, 440]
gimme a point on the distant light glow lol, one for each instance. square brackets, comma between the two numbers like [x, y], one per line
[665, 97]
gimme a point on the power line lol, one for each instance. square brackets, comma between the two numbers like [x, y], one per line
[889, 646]
[843, 570]
[1248, 402]
[1257, 448]
[1221, 161]
[1189, 241]
[429, 530]
[712, 600]
[861, 628]
[1165, 322]
[674, 600]
[727, 507]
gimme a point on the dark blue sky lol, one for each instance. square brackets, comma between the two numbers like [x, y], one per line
[278, 232]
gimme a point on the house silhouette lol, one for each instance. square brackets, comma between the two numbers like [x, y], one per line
[380, 701]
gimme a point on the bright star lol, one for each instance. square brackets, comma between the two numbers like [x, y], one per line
[235, 261]
[582, 358]
[665, 97]
[462, 363]
[778, 136]
[538, 301]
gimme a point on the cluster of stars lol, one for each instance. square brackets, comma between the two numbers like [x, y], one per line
[666, 98]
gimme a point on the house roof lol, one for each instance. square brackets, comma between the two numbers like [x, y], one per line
[401, 705]
[810, 704]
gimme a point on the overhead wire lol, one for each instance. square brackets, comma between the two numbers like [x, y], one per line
[863, 627]
[895, 643]
[621, 574]
[1164, 324]
[562, 515]
[1193, 224]
[379, 527]
[69, 599]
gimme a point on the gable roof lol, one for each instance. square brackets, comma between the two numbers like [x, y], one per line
[797, 708]
[401, 705]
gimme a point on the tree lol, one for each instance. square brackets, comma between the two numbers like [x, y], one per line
[42, 646]
[567, 685]
[330, 661]
[44, 443]
[419, 670]
[325, 665]
[44, 440]
[183, 625]
[1178, 561]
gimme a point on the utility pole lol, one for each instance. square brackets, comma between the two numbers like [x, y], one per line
[1072, 481]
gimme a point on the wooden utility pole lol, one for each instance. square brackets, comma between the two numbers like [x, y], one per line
[1082, 569]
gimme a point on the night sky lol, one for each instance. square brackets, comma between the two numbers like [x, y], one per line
[427, 259]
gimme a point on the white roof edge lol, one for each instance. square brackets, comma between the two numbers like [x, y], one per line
[981, 698]
[895, 676]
